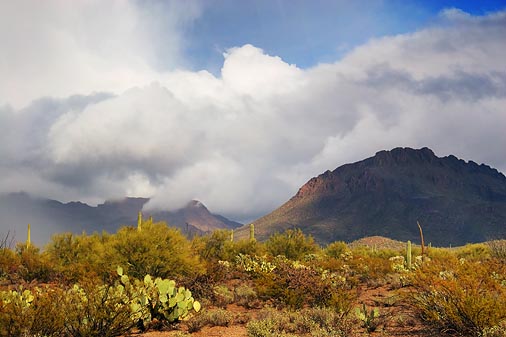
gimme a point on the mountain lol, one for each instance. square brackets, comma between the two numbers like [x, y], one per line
[456, 202]
[50, 216]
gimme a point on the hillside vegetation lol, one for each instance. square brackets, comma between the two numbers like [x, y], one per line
[153, 278]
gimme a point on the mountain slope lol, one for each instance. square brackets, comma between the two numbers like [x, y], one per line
[50, 216]
[455, 201]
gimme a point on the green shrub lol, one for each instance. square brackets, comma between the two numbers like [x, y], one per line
[15, 314]
[9, 264]
[292, 244]
[33, 264]
[337, 250]
[100, 311]
[310, 321]
[462, 296]
[296, 285]
[475, 252]
[245, 296]
[32, 312]
[156, 250]
[498, 249]
[223, 296]
[216, 246]
[79, 257]
[93, 309]
[213, 317]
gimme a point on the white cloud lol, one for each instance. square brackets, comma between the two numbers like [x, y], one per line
[59, 48]
[263, 76]
[244, 142]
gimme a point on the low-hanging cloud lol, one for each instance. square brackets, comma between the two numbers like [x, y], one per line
[243, 142]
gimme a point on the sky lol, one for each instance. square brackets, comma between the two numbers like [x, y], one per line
[239, 103]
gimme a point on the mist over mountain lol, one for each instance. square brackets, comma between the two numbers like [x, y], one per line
[455, 201]
[48, 217]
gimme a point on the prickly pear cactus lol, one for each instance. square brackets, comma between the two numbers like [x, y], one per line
[165, 301]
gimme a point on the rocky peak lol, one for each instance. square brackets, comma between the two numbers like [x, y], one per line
[404, 156]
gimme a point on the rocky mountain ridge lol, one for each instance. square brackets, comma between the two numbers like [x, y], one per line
[454, 200]
[51, 216]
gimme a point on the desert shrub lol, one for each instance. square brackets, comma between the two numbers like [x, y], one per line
[216, 246]
[292, 244]
[33, 264]
[15, 315]
[498, 249]
[48, 311]
[441, 254]
[463, 296]
[296, 285]
[475, 252]
[370, 269]
[245, 296]
[311, 321]
[78, 257]
[337, 250]
[202, 285]
[249, 247]
[32, 312]
[222, 296]
[381, 253]
[102, 310]
[157, 250]
[253, 265]
[212, 317]
[9, 263]
[495, 331]
[92, 308]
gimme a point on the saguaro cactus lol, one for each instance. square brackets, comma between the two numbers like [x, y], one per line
[421, 239]
[232, 235]
[252, 232]
[408, 255]
[139, 221]
[28, 237]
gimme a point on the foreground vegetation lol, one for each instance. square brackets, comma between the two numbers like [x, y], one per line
[152, 277]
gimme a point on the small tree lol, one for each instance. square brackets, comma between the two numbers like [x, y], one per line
[156, 250]
[293, 244]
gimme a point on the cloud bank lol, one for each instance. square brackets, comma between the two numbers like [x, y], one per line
[244, 141]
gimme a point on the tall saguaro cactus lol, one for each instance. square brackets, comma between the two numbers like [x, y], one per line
[139, 221]
[408, 255]
[421, 239]
[252, 232]
[28, 237]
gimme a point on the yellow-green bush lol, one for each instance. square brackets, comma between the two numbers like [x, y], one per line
[213, 317]
[297, 285]
[157, 250]
[337, 250]
[93, 309]
[292, 244]
[458, 295]
[34, 265]
[32, 312]
[310, 321]
[79, 257]
[9, 264]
